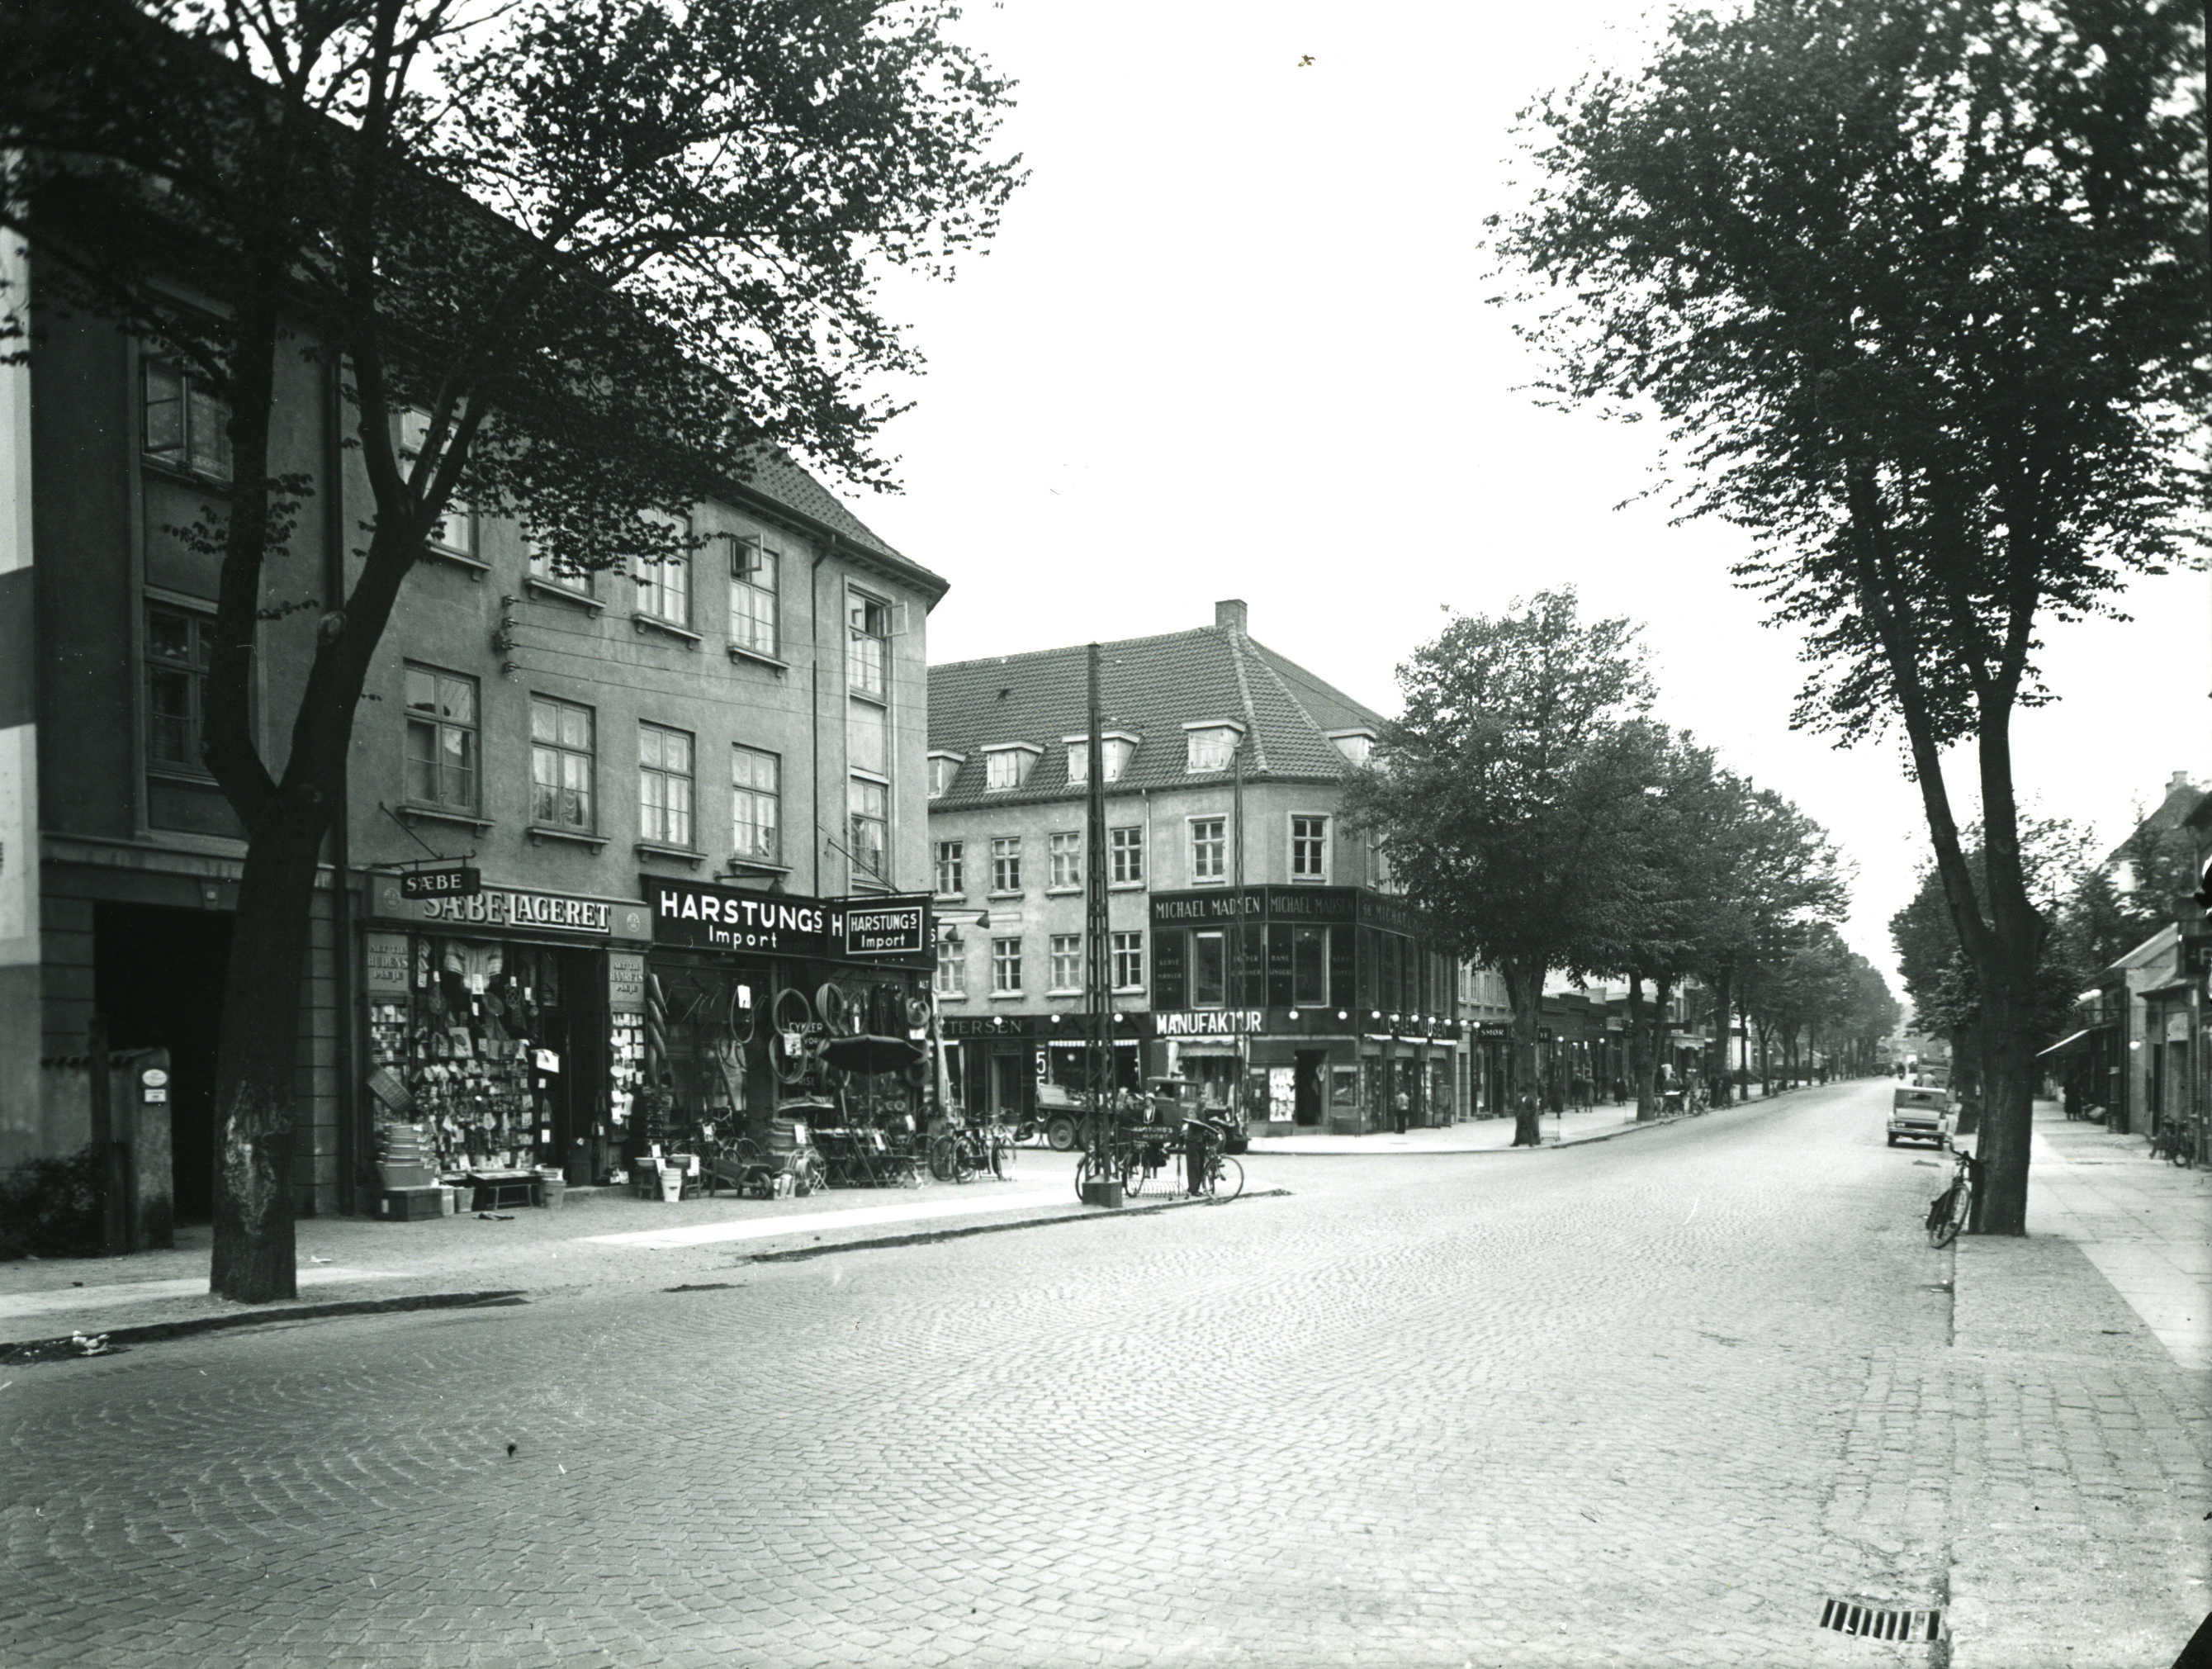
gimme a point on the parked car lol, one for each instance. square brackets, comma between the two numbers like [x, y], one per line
[1920, 1112]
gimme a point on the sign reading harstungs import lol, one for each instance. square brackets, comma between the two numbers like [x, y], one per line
[894, 929]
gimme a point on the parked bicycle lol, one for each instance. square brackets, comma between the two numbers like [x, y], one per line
[2172, 1143]
[962, 1152]
[1949, 1212]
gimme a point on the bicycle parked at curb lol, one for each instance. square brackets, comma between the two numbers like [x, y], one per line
[2172, 1143]
[960, 1152]
[1949, 1212]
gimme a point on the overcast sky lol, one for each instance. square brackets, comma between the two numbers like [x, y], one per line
[1230, 344]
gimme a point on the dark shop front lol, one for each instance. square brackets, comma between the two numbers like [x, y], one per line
[738, 981]
[1316, 1005]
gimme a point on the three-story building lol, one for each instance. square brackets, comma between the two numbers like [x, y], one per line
[1255, 947]
[692, 795]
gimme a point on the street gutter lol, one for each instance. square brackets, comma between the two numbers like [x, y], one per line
[15, 1352]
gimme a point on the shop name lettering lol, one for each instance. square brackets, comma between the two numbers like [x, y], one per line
[741, 923]
[494, 907]
[1209, 1022]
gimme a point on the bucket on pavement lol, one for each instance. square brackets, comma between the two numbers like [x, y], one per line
[672, 1184]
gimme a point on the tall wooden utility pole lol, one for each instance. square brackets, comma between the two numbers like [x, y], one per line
[1097, 961]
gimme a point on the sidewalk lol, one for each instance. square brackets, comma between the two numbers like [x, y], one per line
[598, 1235]
[2080, 1392]
[1480, 1135]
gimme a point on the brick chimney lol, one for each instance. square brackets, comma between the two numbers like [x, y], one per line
[2179, 782]
[1229, 615]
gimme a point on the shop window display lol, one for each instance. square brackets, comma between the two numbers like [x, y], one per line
[482, 1045]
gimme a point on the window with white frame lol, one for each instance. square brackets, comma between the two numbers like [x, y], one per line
[179, 648]
[1006, 767]
[871, 813]
[1126, 848]
[1006, 863]
[663, 587]
[1211, 746]
[557, 572]
[456, 532]
[1357, 746]
[1309, 847]
[868, 644]
[1114, 749]
[1128, 961]
[1065, 857]
[756, 805]
[1209, 849]
[561, 756]
[756, 566]
[1006, 967]
[1067, 961]
[867, 734]
[952, 869]
[442, 739]
[183, 424]
[663, 786]
[951, 967]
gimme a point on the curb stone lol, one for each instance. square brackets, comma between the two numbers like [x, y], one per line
[12, 1352]
[929, 1237]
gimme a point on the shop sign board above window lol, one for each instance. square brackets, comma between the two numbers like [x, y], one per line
[894, 928]
[513, 908]
[456, 880]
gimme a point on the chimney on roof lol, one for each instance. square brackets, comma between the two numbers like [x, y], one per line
[2179, 782]
[1229, 615]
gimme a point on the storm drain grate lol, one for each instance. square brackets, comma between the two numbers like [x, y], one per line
[1845, 1618]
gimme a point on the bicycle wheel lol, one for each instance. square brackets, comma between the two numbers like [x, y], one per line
[1131, 1165]
[1939, 1214]
[1002, 1156]
[1082, 1175]
[1954, 1219]
[944, 1159]
[1228, 1178]
[967, 1157]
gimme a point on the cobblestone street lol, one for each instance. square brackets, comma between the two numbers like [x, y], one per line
[1649, 1401]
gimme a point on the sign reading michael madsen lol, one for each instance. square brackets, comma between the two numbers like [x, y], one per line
[882, 929]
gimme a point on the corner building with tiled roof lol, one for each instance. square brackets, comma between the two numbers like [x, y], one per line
[1224, 766]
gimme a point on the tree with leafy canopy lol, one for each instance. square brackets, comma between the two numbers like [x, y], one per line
[1499, 795]
[606, 253]
[1918, 291]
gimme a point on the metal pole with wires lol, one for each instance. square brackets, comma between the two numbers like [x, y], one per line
[1103, 1188]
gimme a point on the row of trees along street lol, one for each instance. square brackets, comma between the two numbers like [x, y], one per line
[2094, 919]
[1546, 824]
[613, 251]
[1917, 288]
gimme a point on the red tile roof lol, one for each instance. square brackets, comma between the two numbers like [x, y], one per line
[1150, 687]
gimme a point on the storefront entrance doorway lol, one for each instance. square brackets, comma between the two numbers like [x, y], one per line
[1309, 1064]
[157, 975]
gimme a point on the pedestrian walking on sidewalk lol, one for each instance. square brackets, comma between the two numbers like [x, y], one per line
[1401, 1108]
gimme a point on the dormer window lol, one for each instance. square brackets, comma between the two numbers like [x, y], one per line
[1356, 745]
[1008, 767]
[1211, 745]
[943, 768]
[1118, 748]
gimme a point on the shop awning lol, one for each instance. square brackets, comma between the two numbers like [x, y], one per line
[2067, 1045]
[867, 1054]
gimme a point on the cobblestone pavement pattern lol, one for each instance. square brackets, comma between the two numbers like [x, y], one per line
[1641, 1402]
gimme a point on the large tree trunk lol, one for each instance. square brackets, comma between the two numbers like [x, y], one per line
[1524, 986]
[253, 1257]
[1639, 1049]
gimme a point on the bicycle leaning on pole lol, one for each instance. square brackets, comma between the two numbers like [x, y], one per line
[1949, 1212]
